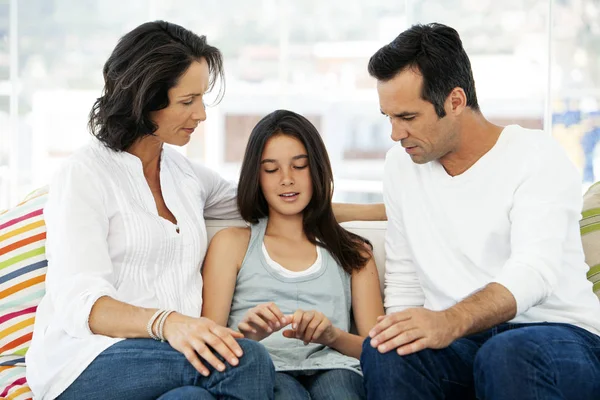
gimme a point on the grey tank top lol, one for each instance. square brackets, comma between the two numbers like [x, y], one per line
[327, 290]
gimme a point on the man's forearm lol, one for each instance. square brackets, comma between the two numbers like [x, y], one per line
[492, 305]
[359, 212]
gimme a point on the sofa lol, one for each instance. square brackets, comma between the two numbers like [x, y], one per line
[23, 269]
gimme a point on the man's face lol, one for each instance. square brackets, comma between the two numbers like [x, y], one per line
[424, 135]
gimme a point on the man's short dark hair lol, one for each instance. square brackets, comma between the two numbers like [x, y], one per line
[436, 52]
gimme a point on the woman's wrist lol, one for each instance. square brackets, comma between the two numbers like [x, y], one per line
[168, 324]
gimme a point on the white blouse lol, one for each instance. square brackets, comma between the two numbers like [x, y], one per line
[105, 238]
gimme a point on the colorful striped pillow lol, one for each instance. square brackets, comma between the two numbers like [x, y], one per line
[590, 234]
[14, 385]
[22, 273]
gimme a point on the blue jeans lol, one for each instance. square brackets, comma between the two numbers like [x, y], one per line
[147, 369]
[510, 361]
[331, 384]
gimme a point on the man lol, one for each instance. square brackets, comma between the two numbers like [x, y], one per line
[486, 292]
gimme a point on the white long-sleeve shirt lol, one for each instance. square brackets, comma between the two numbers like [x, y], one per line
[512, 218]
[105, 238]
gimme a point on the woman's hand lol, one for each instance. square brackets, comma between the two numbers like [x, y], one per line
[312, 327]
[262, 320]
[195, 337]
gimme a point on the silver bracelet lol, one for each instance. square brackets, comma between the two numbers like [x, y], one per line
[151, 324]
[161, 324]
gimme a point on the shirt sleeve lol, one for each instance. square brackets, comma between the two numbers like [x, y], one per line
[221, 194]
[547, 205]
[80, 270]
[402, 286]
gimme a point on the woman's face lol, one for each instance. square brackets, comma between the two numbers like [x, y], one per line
[185, 111]
[285, 175]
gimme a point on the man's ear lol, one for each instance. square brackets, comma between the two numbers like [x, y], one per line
[456, 101]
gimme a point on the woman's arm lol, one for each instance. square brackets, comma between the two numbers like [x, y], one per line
[113, 318]
[223, 259]
[221, 194]
[345, 212]
[80, 268]
[190, 336]
[80, 278]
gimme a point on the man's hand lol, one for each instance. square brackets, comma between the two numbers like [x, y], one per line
[413, 330]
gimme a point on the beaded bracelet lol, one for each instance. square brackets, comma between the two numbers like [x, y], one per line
[151, 324]
[161, 324]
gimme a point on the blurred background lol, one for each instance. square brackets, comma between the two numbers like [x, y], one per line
[536, 63]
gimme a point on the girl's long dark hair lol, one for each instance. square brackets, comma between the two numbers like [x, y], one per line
[320, 226]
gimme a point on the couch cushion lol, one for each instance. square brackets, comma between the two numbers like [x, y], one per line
[14, 386]
[22, 273]
[590, 234]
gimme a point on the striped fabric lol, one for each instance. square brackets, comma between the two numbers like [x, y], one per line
[14, 386]
[22, 273]
[590, 234]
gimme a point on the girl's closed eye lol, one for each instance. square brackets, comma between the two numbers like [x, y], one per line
[187, 103]
[300, 166]
[270, 171]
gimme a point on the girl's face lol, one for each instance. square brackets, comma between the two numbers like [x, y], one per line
[285, 175]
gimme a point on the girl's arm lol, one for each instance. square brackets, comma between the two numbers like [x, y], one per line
[367, 305]
[219, 272]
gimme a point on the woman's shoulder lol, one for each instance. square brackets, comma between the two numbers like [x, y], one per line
[79, 163]
[89, 156]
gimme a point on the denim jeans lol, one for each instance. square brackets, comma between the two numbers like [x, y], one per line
[147, 369]
[332, 384]
[508, 362]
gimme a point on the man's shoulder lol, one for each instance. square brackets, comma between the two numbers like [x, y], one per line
[534, 144]
[534, 153]
[519, 136]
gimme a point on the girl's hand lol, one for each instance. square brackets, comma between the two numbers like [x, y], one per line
[312, 327]
[262, 320]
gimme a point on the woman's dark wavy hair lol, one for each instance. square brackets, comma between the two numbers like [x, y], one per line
[436, 52]
[320, 225]
[145, 64]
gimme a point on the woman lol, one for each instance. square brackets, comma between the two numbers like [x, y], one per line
[294, 278]
[126, 237]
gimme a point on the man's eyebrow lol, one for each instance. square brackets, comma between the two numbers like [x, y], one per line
[403, 114]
